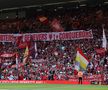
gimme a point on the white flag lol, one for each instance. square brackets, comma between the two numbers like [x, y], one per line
[36, 50]
[104, 40]
[16, 60]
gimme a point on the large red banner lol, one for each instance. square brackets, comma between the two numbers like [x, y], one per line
[43, 82]
[70, 35]
[7, 55]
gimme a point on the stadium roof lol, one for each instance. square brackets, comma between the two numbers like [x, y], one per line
[28, 3]
[15, 4]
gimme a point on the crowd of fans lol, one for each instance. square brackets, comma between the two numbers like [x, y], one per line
[69, 19]
[55, 60]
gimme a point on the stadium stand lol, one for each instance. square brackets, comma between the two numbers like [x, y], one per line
[55, 60]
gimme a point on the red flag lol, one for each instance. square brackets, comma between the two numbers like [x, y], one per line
[43, 19]
[56, 26]
[100, 51]
[7, 55]
[20, 42]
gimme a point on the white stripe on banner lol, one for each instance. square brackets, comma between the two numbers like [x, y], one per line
[69, 35]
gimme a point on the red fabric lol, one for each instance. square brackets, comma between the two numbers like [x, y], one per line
[44, 81]
[81, 52]
[43, 19]
[7, 55]
[75, 72]
[56, 26]
[21, 77]
[22, 45]
[100, 51]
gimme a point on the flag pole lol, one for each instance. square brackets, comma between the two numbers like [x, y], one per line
[17, 66]
[16, 57]
[104, 45]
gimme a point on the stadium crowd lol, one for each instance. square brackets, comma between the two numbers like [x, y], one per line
[55, 60]
[69, 19]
